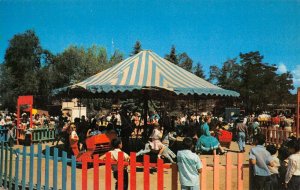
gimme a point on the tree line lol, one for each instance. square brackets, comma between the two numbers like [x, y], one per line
[28, 68]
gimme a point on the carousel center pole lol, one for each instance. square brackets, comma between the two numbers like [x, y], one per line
[145, 109]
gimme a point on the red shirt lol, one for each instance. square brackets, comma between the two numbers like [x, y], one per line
[275, 120]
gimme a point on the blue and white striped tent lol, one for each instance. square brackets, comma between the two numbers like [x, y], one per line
[147, 70]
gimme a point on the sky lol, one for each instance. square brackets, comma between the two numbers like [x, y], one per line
[210, 32]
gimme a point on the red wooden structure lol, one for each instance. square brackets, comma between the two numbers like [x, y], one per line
[298, 113]
[161, 167]
[121, 164]
[23, 100]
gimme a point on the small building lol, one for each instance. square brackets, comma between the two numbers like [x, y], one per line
[74, 109]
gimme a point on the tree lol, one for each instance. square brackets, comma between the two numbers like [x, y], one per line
[137, 48]
[75, 64]
[172, 57]
[117, 57]
[284, 83]
[185, 62]
[22, 63]
[256, 81]
[198, 71]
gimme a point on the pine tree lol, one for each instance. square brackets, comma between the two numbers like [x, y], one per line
[137, 48]
[198, 71]
[172, 57]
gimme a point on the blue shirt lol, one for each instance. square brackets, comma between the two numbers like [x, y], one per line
[188, 165]
[263, 158]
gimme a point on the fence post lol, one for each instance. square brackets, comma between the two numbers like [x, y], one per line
[24, 168]
[203, 175]
[73, 173]
[250, 176]
[174, 176]
[1, 163]
[31, 167]
[47, 167]
[64, 170]
[216, 171]
[55, 161]
[17, 170]
[10, 167]
[120, 170]
[84, 173]
[39, 166]
[96, 171]
[240, 171]
[146, 172]
[108, 171]
[133, 171]
[160, 174]
[228, 171]
[277, 137]
[5, 166]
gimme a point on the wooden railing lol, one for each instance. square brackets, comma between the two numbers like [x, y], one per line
[44, 170]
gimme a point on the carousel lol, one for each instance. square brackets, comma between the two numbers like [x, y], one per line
[143, 77]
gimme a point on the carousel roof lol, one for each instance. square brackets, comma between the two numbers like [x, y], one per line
[147, 70]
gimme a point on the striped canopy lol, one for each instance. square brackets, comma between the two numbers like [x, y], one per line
[147, 70]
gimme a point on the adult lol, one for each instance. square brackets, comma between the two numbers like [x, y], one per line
[289, 121]
[2, 121]
[206, 142]
[274, 169]
[292, 177]
[11, 135]
[260, 159]
[275, 120]
[189, 166]
[242, 131]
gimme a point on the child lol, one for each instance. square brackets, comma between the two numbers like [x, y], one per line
[274, 169]
[162, 151]
[189, 166]
[117, 146]
[260, 159]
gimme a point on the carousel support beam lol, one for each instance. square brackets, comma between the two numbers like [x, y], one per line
[146, 109]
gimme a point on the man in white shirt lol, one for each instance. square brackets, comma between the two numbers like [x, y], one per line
[292, 177]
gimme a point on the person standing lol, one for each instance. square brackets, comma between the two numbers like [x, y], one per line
[242, 131]
[117, 147]
[11, 135]
[288, 126]
[292, 177]
[275, 169]
[260, 159]
[189, 166]
[73, 140]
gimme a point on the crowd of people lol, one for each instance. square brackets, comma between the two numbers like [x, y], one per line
[275, 169]
[200, 132]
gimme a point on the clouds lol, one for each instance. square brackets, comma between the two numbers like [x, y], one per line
[282, 68]
[296, 76]
[295, 72]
